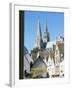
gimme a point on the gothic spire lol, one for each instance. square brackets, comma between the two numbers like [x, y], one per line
[39, 34]
[46, 37]
[46, 29]
[38, 42]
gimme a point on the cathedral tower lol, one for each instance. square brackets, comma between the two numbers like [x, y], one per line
[46, 37]
[38, 41]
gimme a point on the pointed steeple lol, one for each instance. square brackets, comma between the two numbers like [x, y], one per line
[46, 29]
[39, 35]
[46, 37]
[38, 42]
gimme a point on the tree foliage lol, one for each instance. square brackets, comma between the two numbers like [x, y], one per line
[37, 72]
[35, 50]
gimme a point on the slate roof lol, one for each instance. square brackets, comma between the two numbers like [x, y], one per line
[43, 54]
[39, 63]
[27, 57]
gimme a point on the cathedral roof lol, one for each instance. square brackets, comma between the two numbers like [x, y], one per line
[50, 44]
[46, 54]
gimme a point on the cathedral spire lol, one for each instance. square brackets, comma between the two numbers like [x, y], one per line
[39, 35]
[38, 43]
[46, 37]
[46, 29]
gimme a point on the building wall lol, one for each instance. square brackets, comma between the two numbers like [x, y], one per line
[57, 61]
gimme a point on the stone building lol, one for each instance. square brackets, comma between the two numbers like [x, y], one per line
[51, 52]
[39, 69]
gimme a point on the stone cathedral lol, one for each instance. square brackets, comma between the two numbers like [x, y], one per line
[41, 43]
[51, 52]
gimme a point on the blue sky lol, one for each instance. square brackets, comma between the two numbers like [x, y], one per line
[55, 24]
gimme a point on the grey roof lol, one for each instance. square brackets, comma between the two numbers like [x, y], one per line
[44, 53]
[27, 61]
[28, 58]
[39, 63]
